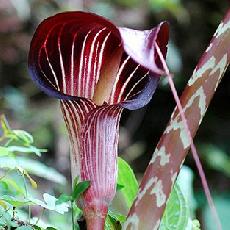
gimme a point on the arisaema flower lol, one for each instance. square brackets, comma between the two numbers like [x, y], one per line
[96, 70]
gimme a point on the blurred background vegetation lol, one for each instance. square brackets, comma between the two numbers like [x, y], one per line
[192, 24]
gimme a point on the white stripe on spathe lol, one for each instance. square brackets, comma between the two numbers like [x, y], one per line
[51, 83]
[61, 61]
[72, 65]
[81, 75]
[134, 86]
[126, 83]
[47, 58]
[112, 99]
[51, 67]
[90, 58]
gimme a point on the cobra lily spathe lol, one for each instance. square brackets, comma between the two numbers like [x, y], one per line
[96, 70]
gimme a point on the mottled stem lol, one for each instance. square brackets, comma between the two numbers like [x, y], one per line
[174, 144]
[196, 156]
[192, 145]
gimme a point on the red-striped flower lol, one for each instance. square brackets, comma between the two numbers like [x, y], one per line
[96, 70]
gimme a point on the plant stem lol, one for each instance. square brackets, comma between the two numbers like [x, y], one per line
[72, 216]
[40, 216]
[196, 156]
[192, 145]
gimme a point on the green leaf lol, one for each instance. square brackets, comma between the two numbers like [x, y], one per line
[77, 212]
[3, 185]
[5, 218]
[4, 151]
[13, 186]
[176, 214]
[3, 213]
[26, 149]
[37, 227]
[4, 125]
[50, 203]
[16, 202]
[79, 188]
[116, 216]
[63, 198]
[112, 224]
[3, 204]
[33, 167]
[127, 178]
[24, 228]
[24, 137]
[119, 187]
[76, 226]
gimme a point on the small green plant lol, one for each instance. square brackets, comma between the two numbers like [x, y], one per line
[17, 186]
